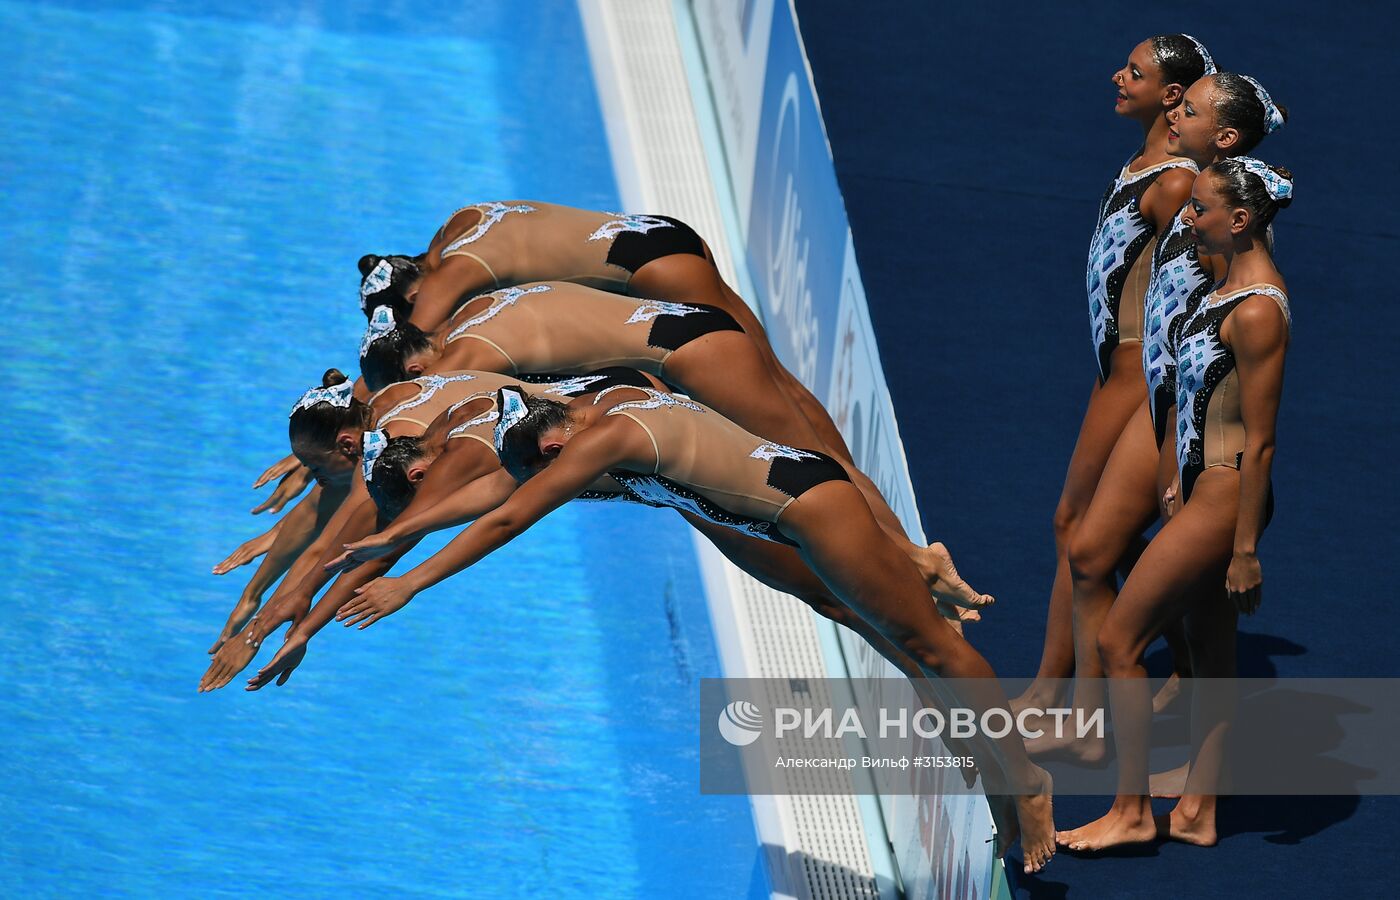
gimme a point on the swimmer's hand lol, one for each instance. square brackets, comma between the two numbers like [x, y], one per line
[287, 490]
[381, 597]
[284, 466]
[248, 551]
[283, 664]
[1169, 500]
[233, 657]
[246, 608]
[372, 547]
[291, 607]
[1245, 582]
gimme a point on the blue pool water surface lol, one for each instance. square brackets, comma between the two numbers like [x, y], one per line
[186, 189]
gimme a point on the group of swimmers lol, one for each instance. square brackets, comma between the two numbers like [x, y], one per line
[1190, 323]
[535, 354]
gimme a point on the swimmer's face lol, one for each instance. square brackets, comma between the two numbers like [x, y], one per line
[330, 468]
[1214, 224]
[1139, 84]
[1193, 129]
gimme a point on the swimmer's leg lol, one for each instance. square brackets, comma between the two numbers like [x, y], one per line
[1184, 563]
[724, 370]
[683, 277]
[782, 569]
[844, 546]
[1110, 406]
[1122, 508]
[1211, 631]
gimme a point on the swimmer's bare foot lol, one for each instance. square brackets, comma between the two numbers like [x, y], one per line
[1042, 694]
[1169, 784]
[1037, 821]
[1167, 695]
[1003, 808]
[1090, 750]
[945, 583]
[1125, 823]
[1178, 825]
[956, 616]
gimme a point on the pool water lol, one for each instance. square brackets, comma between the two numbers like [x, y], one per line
[185, 191]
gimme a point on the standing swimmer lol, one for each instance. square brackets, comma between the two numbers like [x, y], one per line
[1136, 208]
[1222, 115]
[1203, 564]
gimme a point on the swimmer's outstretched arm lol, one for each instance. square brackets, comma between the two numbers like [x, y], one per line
[293, 650]
[249, 550]
[464, 461]
[294, 481]
[283, 466]
[292, 535]
[355, 518]
[444, 288]
[286, 603]
[611, 444]
[467, 502]
[1258, 335]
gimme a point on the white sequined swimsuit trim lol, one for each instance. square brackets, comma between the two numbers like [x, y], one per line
[638, 223]
[501, 300]
[491, 213]
[428, 385]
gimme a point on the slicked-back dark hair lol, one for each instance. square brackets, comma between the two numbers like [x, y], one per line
[1178, 58]
[405, 271]
[520, 448]
[317, 425]
[1242, 188]
[384, 359]
[1237, 106]
[389, 485]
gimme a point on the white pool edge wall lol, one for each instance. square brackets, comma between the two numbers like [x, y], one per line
[682, 87]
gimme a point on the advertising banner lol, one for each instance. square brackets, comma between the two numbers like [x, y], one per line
[801, 257]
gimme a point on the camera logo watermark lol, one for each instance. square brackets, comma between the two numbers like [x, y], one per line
[740, 723]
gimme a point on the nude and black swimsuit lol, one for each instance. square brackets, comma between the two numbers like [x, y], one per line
[435, 394]
[445, 393]
[565, 327]
[1209, 424]
[708, 466]
[1120, 261]
[525, 240]
[481, 426]
[1177, 285]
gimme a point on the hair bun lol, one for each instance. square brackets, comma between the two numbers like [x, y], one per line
[1283, 172]
[368, 262]
[332, 378]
